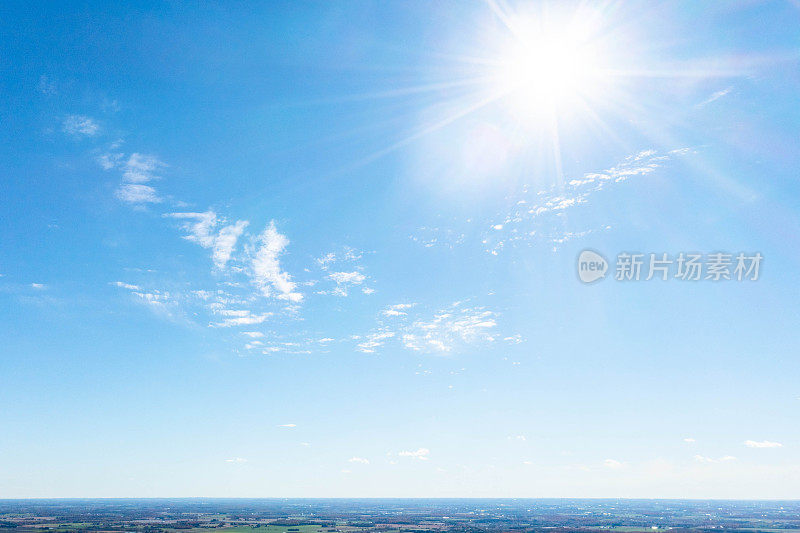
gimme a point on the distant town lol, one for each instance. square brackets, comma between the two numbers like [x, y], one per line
[397, 515]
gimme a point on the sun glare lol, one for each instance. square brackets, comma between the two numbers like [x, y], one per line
[548, 65]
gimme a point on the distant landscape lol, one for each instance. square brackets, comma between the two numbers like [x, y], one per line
[397, 515]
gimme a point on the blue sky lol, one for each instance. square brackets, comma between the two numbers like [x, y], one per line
[329, 249]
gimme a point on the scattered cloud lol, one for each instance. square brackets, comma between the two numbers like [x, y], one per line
[723, 459]
[420, 453]
[613, 464]
[134, 193]
[348, 274]
[240, 317]
[236, 460]
[344, 280]
[374, 340]
[137, 170]
[445, 331]
[358, 460]
[450, 328]
[141, 168]
[266, 270]
[201, 228]
[289, 426]
[536, 215]
[128, 286]
[344, 256]
[397, 310]
[689, 440]
[716, 96]
[46, 86]
[80, 126]
[762, 444]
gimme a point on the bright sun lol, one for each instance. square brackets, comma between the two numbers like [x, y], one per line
[549, 65]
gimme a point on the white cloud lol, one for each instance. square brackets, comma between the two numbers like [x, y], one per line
[762, 444]
[161, 302]
[723, 459]
[140, 168]
[136, 171]
[201, 229]
[81, 125]
[531, 219]
[109, 160]
[449, 328]
[397, 309]
[240, 318]
[689, 440]
[613, 464]
[236, 460]
[347, 255]
[289, 426]
[716, 96]
[128, 286]
[358, 460]
[135, 193]
[253, 334]
[38, 285]
[374, 340]
[266, 270]
[345, 279]
[421, 454]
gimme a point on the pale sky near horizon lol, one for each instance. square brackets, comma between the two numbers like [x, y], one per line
[328, 249]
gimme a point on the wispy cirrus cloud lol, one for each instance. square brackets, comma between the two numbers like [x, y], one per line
[266, 272]
[141, 168]
[80, 126]
[444, 331]
[762, 444]
[344, 280]
[129, 286]
[136, 172]
[715, 96]
[450, 328]
[240, 317]
[397, 309]
[374, 340]
[705, 459]
[202, 229]
[533, 217]
[343, 269]
[421, 454]
[136, 193]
